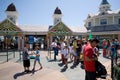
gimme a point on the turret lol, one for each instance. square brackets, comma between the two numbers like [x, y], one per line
[57, 16]
[12, 13]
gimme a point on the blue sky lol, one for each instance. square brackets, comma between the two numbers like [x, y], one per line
[39, 12]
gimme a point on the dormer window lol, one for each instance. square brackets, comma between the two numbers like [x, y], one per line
[103, 21]
[11, 18]
[89, 16]
[57, 20]
[89, 24]
[103, 13]
[119, 21]
[119, 12]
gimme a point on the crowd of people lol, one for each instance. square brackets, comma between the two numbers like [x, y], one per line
[78, 51]
[86, 53]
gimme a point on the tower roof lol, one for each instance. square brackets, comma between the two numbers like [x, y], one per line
[57, 11]
[104, 2]
[11, 7]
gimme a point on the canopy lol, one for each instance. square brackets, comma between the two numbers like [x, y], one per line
[9, 28]
[60, 29]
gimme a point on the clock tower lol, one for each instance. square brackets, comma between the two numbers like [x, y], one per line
[57, 16]
[12, 13]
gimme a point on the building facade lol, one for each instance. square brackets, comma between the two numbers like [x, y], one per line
[40, 35]
[105, 24]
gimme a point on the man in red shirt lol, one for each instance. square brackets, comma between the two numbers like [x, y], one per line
[89, 60]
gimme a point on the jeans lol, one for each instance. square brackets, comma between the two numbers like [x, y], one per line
[55, 52]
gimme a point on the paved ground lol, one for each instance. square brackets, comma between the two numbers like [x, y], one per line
[51, 70]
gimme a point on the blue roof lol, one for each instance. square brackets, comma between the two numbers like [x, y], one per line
[104, 2]
[105, 28]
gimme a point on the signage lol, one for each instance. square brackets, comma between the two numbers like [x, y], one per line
[31, 39]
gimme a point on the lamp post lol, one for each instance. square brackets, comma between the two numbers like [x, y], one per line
[7, 37]
[7, 47]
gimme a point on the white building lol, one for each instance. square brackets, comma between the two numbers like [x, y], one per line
[105, 23]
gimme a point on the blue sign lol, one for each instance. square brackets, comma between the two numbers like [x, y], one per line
[31, 39]
[8, 36]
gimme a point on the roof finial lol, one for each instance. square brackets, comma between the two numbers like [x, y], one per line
[104, 2]
[11, 7]
[57, 11]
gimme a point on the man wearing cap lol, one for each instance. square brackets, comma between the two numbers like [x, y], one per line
[89, 60]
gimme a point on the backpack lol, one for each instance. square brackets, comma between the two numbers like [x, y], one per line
[101, 71]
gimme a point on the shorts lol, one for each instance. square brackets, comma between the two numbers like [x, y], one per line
[37, 59]
[26, 63]
[75, 54]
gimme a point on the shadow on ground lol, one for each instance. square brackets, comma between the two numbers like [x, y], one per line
[24, 73]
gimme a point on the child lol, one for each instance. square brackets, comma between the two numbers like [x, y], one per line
[65, 52]
[26, 59]
[37, 58]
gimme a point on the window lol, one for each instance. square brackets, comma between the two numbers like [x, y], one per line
[89, 24]
[103, 21]
[11, 18]
[103, 13]
[119, 21]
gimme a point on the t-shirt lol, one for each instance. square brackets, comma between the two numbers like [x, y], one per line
[25, 54]
[65, 52]
[62, 47]
[71, 49]
[38, 52]
[54, 44]
[89, 65]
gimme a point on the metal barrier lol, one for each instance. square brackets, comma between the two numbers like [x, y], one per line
[7, 53]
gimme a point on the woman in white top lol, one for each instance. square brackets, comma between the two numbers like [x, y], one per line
[62, 51]
[54, 46]
[71, 51]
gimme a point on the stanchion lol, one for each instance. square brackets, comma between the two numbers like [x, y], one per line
[7, 48]
[112, 69]
[20, 54]
[13, 53]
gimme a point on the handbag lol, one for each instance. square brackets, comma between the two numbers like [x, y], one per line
[81, 57]
[101, 71]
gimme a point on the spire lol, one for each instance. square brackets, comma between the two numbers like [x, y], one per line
[12, 13]
[11, 7]
[104, 2]
[104, 6]
[57, 16]
[57, 11]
